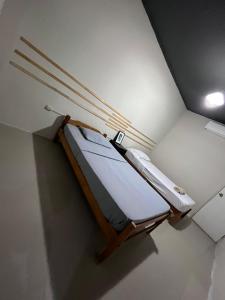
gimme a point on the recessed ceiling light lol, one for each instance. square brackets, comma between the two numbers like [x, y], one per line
[214, 100]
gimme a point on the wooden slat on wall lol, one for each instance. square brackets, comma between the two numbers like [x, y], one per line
[56, 65]
[113, 118]
[120, 118]
[117, 128]
[56, 90]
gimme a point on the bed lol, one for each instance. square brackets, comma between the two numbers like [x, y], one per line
[179, 201]
[123, 203]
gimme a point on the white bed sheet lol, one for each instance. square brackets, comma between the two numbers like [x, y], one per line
[161, 182]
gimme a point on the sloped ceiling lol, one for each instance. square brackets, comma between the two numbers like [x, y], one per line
[192, 36]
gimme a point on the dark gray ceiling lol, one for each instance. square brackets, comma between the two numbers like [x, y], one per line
[191, 34]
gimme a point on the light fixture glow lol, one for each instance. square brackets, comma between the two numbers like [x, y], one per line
[214, 100]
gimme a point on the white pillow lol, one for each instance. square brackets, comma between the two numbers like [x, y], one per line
[139, 154]
[95, 137]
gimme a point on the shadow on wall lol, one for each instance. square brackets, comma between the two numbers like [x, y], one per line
[50, 132]
[72, 235]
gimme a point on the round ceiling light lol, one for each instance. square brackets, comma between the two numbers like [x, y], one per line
[214, 100]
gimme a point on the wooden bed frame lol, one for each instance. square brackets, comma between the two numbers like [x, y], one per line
[114, 239]
[175, 215]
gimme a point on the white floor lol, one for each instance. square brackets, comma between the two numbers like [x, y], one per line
[217, 290]
[49, 238]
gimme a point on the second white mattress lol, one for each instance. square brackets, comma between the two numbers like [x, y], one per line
[161, 182]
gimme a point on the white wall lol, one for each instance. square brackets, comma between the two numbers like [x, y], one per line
[109, 45]
[193, 158]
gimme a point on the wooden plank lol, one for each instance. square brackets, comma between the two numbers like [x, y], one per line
[43, 82]
[38, 66]
[81, 124]
[118, 114]
[114, 118]
[117, 128]
[51, 61]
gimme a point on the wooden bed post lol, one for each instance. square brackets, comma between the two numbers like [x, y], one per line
[64, 122]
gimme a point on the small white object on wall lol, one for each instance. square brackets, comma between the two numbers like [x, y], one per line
[1, 5]
[50, 108]
[216, 128]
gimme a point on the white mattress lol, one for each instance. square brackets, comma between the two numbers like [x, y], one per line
[162, 183]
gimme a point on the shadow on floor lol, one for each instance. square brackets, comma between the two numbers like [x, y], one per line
[71, 234]
[182, 224]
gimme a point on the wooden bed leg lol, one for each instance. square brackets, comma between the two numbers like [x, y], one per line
[115, 243]
[176, 217]
[108, 250]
